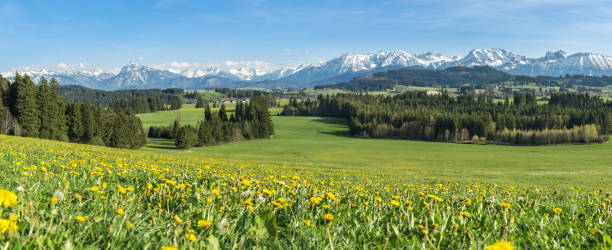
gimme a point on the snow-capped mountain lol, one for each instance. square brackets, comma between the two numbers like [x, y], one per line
[343, 68]
[349, 66]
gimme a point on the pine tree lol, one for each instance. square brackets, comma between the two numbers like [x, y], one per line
[88, 122]
[222, 113]
[26, 106]
[74, 122]
[207, 113]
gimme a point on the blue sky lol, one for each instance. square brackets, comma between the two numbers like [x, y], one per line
[109, 34]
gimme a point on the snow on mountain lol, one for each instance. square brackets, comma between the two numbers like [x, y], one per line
[343, 68]
[348, 66]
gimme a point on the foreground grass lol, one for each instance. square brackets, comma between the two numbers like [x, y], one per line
[70, 195]
[325, 143]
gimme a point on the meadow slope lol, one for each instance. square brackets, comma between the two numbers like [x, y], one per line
[325, 143]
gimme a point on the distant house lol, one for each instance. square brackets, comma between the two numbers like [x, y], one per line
[433, 92]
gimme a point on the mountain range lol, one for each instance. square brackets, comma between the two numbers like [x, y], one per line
[340, 69]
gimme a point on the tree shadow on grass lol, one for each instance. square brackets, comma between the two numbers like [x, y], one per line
[342, 128]
[161, 144]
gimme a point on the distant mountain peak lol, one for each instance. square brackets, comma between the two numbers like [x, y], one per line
[554, 55]
[339, 69]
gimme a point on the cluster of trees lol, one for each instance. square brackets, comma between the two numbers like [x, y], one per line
[249, 121]
[579, 134]
[240, 93]
[416, 115]
[138, 100]
[455, 77]
[40, 111]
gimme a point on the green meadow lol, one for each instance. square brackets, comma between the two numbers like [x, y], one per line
[325, 143]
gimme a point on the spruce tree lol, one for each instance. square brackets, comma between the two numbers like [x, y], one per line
[74, 122]
[26, 106]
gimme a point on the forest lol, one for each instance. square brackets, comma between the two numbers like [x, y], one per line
[250, 121]
[567, 118]
[456, 77]
[40, 111]
[139, 100]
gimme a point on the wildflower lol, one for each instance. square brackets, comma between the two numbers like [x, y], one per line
[7, 198]
[81, 218]
[501, 245]
[247, 202]
[192, 237]
[395, 203]
[260, 199]
[315, 200]
[267, 192]
[465, 214]
[277, 204]
[204, 223]
[120, 211]
[557, 210]
[168, 248]
[215, 191]
[331, 196]
[129, 224]
[435, 197]
[307, 223]
[94, 189]
[20, 189]
[53, 200]
[177, 220]
[506, 205]
[245, 182]
[8, 225]
[328, 217]
[224, 226]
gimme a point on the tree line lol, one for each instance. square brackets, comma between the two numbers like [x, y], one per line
[249, 121]
[40, 111]
[138, 100]
[416, 115]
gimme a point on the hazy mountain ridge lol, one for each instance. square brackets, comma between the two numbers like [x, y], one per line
[340, 69]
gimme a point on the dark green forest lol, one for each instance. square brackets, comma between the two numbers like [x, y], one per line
[40, 111]
[250, 121]
[567, 118]
[139, 100]
[456, 77]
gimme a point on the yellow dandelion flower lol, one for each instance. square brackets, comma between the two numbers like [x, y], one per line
[81, 218]
[465, 214]
[177, 220]
[501, 245]
[8, 226]
[395, 203]
[191, 237]
[168, 248]
[557, 210]
[204, 223]
[120, 211]
[435, 197]
[307, 223]
[328, 217]
[7, 198]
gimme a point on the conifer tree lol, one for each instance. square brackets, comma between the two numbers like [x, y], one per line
[26, 106]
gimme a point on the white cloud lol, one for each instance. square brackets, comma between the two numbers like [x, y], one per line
[62, 66]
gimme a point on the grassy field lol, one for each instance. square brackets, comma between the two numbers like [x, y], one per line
[325, 143]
